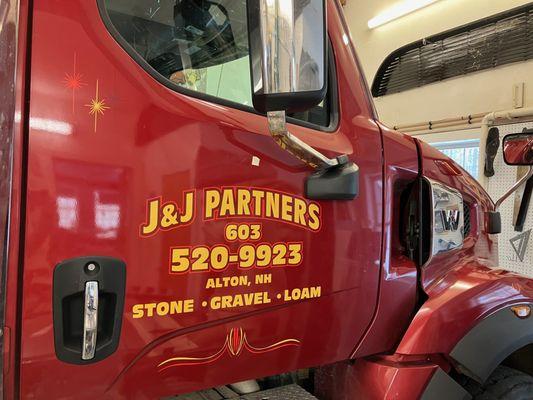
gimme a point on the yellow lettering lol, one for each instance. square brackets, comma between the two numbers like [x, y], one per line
[302, 294]
[215, 303]
[138, 311]
[314, 220]
[150, 309]
[316, 291]
[299, 211]
[231, 202]
[162, 309]
[258, 196]
[265, 299]
[175, 307]
[243, 202]
[263, 279]
[286, 208]
[212, 201]
[227, 205]
[153, 218]
[226, 301]
[272, 205]
[237, 301]
[188, 211]
[188, 306]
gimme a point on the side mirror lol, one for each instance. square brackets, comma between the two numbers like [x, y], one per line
[288, 54]
[288, 63]
[518, 148]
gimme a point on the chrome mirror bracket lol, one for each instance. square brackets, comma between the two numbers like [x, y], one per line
[494, 220]
[277, 125]
[514, 188]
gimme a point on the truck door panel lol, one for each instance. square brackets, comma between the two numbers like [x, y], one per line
[107, 142]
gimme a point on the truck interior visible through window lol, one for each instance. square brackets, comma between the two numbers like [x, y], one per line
[201, 46]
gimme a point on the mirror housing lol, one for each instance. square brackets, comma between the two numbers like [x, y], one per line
[288, 54]
[518, 148]
[288, 64]
[339, 183]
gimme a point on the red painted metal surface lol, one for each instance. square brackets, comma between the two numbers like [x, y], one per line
[479, 244]
[463, 286]
[90, 175]
[398, 285]
[469, 292]
[461, 299]
[374, 380]
[11, 336]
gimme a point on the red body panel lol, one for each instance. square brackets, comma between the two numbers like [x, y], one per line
[467, 294]
[89, 179]
[11, 336]
[374, 380]
[462, 285]
[398, 286]
[462, 288]
[478, 245]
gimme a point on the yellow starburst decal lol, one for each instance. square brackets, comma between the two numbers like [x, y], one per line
[97, 107]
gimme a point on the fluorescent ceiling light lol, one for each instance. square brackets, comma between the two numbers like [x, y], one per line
[399, 10]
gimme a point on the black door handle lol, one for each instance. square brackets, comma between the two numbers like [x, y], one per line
[88, 301]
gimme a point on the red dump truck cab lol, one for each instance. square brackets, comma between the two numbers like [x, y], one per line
[146, 195]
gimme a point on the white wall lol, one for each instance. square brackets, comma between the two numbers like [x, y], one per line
[497, 186]
[476, 93]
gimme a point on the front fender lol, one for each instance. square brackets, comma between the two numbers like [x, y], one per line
[467, 318]
[491, 341]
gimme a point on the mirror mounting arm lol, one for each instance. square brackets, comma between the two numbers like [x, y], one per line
[277, 125]
[514, 188]
[334, 179]
[494, 222]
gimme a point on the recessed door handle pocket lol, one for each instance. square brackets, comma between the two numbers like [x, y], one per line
[88, 302]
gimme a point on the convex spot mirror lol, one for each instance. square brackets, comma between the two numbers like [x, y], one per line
[518, 148]
[288, 57]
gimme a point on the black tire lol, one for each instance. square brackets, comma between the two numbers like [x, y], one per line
[504, 384]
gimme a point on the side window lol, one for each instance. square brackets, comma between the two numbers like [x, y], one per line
[198, 45]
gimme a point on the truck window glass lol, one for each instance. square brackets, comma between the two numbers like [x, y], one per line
[198, 45]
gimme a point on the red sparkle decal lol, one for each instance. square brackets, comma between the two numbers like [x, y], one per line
[73, 81]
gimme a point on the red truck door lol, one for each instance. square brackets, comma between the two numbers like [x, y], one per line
[150, 175]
